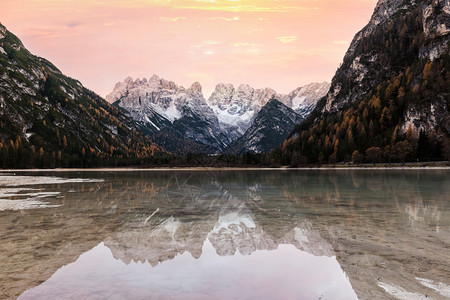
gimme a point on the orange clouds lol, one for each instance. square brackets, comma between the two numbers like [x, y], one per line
[282, 44]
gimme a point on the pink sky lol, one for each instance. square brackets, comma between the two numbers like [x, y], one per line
[281, 44]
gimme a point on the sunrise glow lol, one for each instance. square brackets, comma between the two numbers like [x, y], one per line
[279, 44]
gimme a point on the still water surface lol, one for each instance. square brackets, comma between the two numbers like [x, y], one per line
[314, 234]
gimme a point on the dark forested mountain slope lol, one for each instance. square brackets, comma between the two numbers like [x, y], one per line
[271, 127]
[48, 119]
[389, 100]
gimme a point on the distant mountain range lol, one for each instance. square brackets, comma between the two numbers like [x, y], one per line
[388, 101]
[181, 120]
[50, 120]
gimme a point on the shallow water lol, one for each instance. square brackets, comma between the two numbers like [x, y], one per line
[306, 234]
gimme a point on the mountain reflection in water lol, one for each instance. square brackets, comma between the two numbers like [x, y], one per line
[244, 234]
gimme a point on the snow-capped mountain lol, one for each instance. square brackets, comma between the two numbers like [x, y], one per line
[304, 99]
[169, 112]
[156, 96]
[181, 120]
[236, 108]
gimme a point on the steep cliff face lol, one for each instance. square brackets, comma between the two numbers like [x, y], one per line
[48, 119]
[391, 93]
[399, 34]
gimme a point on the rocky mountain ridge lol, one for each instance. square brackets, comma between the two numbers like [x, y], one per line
[161, 108]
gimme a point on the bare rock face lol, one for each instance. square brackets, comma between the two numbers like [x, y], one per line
[153, 94]
[436, 28]
[238, 108]
[2, 31]
[436, 18]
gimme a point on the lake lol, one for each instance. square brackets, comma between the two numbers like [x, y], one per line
[235, 234]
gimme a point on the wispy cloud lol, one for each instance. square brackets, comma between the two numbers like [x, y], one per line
[210, 5]
[207, 43]
[249, 47]
[245, 44]
[168, 19]
[287, 39]
[224, 19]
[227, 5]
[212, 40]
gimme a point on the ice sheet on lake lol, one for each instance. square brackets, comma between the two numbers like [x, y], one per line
[29, 198]
[23, 204]
[35, 180]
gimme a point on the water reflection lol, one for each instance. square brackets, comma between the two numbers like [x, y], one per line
[382, 228]
[284, 274]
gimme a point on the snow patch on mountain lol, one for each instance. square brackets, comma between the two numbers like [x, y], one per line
[236, 108]
[304, 99]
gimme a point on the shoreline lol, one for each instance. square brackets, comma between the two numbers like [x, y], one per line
[409, 166]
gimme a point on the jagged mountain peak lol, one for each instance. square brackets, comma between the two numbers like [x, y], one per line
[196, 88]
[227, 113]
[168, 112]
[154, 78]
[224, 86]
[236, 108]
[245, 88]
